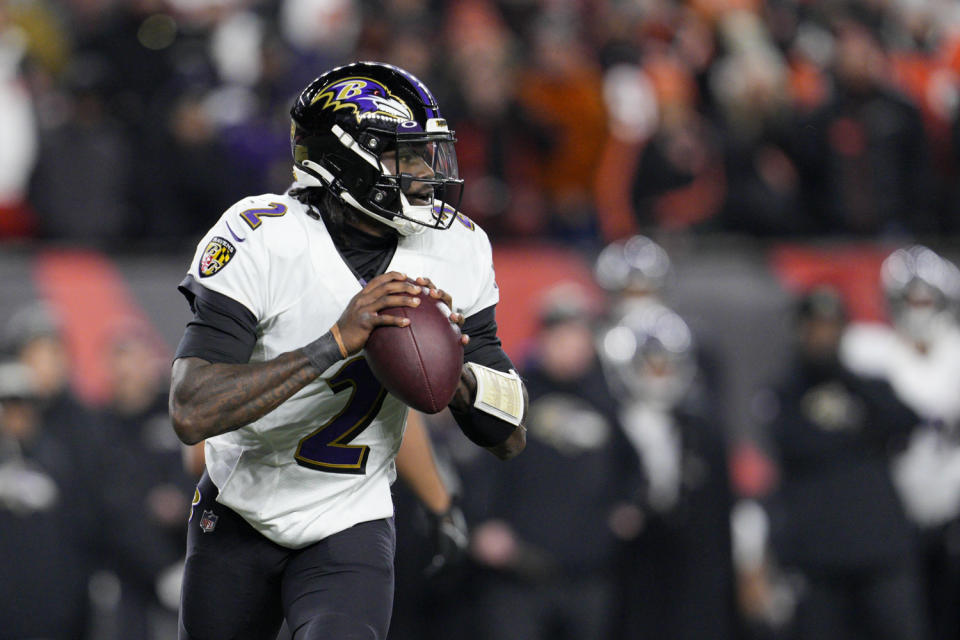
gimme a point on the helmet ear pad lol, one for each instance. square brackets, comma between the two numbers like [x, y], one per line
[350, 172]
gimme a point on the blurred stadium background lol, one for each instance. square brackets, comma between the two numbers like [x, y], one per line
[768, 146]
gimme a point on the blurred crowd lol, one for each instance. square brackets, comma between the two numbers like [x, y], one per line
[93, 500]
[580, 122]
[135, 123]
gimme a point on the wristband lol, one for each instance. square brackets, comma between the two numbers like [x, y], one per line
[323, 352]
[498, 394]
[335, 330]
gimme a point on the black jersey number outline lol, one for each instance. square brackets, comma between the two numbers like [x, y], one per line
[327, 448]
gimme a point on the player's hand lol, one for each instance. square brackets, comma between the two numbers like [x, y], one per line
[362, 313]
[450, 538]
[444, 297]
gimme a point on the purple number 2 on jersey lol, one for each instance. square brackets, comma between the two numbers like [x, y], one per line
[252, 216]
[327, 448]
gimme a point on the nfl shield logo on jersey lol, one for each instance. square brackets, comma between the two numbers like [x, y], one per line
[217, 254]
[208, 521]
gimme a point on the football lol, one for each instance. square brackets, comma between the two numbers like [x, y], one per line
[419, 363]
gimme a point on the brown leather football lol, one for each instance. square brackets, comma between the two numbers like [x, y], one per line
[419, 363]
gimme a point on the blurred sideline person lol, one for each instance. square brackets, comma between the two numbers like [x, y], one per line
[108, 527]
[45, 522]
[545, 547]
[675, 569]
[33, 336]
[293, 518]
[635, 272]
[432, 535]
[919, 355]
[863, 157]
[156, 489]
[840, 522]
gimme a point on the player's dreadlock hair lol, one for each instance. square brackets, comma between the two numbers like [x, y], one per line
[323, 202]
[313, 197]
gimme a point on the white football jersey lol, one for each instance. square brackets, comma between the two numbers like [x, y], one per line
[322, 461]
[928, 382]
[927, 473]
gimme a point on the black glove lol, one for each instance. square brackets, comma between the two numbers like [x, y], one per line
[450, 537]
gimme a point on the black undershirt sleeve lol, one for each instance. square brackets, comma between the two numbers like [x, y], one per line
[485, 347]
[222, 329]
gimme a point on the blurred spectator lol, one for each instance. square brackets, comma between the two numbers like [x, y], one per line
[495, 150]
[44, 521]
[659, 115]
[560, 92]
[116, 531]
[249, 113]
[679, 181]
[677, 553]
[842, 525]
[631, 103]
[921, 37]
[750, 85]
[431, 536]
[137, 46]
[33, 336]
[156, 490]
[542, 580]
[863, 159]
[328, 28]
[18, 131]
[194, 179]
[82, 184]
[919, 355]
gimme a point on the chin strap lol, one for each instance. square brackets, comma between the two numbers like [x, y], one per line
[403, 227]
[311, 174]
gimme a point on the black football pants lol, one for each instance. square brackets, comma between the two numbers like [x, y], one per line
[884, 604]
[238, 585]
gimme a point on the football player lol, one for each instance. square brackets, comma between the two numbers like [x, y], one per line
[919, 355]
[634, 272]
[648, 355]
[293, 517]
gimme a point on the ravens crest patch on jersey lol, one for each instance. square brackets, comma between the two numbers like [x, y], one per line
[216, 256]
